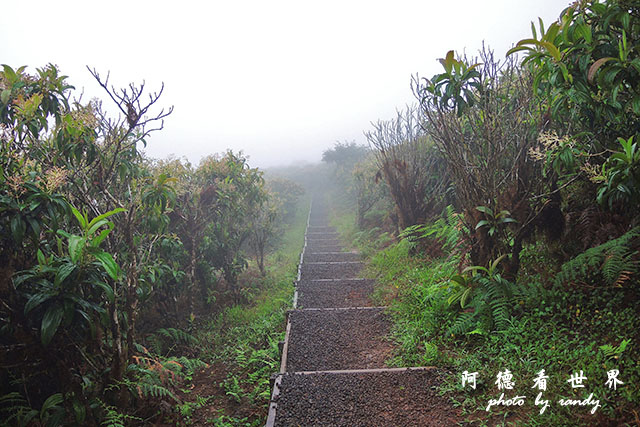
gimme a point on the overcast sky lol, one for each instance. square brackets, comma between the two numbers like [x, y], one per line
[280, 80]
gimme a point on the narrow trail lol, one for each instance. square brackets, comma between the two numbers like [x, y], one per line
[332, 371]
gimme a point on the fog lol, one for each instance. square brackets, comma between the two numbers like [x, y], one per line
[280, 80]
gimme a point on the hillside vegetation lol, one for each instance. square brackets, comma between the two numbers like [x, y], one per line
[500, 215]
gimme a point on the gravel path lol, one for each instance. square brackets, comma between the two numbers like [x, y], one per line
[334, 293]
[338, 339]
[332, 331]
[331, 256]
[313, 249]
[366, 399]
[343, 270]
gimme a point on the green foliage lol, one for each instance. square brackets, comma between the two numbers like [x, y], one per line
[488, 295]
[621, 176]
[18, 412]
[457, 87]
[611, 264]
[446, 230]
[586, 67]
[164, 340]
[96, 240]
[65, 288]
[493, 221]
[531, 329]
[114, 418]
[614, 352]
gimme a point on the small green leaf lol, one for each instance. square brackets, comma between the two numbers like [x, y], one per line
[41, 259]
[465, 295]
[63, 272]
[79, 217]
[482, 223]
[50, 322]
[108, 290]
[4, 96]
[461, 280]
[103, 216]
[51, 402]
[103, 235]
[108, 263]
[76, 245]
[495, 263]
[475, 268]
[95, 225]
[485, 210]
[35, 301]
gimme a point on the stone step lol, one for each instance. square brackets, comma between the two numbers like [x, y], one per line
[337, 339]
[315, 248]
[322, 234]
[343, 270]
[388, 397]
[322, 241]
[334, 293]
[320, 229]
[331, 256]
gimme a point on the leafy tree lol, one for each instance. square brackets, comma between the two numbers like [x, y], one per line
[587, 69]
[411, 166]
[345, 155]
[483, 119]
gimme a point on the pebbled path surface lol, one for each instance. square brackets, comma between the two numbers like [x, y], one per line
[333, 364]
[334, 293]
[325, 340]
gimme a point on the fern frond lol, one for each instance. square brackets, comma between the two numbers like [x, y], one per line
[16, 410]
[613, 262]
[463, 323]
[154, 390]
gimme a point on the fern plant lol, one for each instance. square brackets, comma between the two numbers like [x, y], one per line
[17, 411]
[613, 263]
[485, 297]
[611, 352]
[447, 230]
[164, 340]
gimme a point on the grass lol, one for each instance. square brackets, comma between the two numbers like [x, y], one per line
[563, 330]
[244, 338]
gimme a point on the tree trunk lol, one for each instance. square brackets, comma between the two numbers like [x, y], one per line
[192, 276]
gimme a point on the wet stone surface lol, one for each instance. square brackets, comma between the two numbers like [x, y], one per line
[322, 234]
[334, 293]
[346, 270]
[314, 242]
[321, 229]
[338, 339]
[325, 248]
[331, 257]
[363, 399]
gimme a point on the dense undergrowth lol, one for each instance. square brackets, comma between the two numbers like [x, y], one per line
[111, 261]
[499, 215]
[592, 329]
[242, 342]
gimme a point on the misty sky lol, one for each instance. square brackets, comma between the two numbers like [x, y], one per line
[280, 80]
